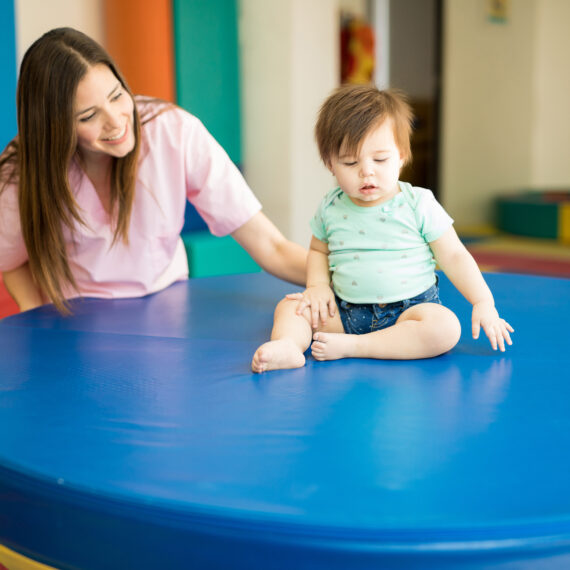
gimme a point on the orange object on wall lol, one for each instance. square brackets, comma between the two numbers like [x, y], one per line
[356, 51]
[138, 35]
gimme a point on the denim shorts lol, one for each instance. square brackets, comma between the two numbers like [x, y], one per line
[365, 318]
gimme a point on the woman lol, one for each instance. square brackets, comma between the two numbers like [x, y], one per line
[93, 188]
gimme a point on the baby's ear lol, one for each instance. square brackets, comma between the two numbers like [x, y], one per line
[329, 165]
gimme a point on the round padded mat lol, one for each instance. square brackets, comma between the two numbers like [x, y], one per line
[133, 435]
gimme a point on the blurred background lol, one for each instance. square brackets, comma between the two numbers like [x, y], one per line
[488, 80]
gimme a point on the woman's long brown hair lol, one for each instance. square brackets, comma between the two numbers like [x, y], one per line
[38, 159]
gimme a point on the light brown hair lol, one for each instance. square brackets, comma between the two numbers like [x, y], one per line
[38, 158]
[352, 111]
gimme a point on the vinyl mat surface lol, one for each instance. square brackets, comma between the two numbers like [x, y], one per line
[133, 435]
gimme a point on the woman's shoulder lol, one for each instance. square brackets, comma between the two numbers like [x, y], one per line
[158, 111]
[165, 121]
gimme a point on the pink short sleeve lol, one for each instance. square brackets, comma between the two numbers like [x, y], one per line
[214, 185]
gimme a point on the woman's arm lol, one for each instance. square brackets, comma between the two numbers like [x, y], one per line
[458, 264]
[271, 250]
[22, 287]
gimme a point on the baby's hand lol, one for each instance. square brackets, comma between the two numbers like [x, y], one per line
[321, 301]
[497, 330]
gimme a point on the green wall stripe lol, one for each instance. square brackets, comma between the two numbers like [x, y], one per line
[207, 67]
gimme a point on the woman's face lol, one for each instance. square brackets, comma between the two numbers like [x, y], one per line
[103, 115]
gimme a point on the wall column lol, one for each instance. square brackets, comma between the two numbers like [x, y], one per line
[289, 63]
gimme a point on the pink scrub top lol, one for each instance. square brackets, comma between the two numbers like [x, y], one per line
[179, 160]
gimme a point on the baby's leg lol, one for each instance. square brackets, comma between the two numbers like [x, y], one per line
[290, 337]
[422, 331]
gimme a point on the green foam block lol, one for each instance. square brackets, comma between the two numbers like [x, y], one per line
[528, 214]
[210, 255]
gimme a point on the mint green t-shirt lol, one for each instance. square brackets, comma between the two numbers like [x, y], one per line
[381, 254]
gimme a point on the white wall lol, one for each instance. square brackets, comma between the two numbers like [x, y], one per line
[550, 137]
[505, 91]
[35, 17]
[289, 64]
[358, 8]
[488, 108]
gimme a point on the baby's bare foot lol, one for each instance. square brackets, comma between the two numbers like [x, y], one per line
[332, 346]
[276, 355]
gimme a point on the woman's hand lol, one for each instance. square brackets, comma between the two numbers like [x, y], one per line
[22, 287]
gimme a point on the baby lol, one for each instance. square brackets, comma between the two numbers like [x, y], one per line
[371, 287]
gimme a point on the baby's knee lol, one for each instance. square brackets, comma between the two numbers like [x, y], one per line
[288, 307]
[448, 330]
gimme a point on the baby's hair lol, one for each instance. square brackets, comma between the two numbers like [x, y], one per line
[352, 111]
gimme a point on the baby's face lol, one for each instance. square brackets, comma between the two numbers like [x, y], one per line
[370, 175]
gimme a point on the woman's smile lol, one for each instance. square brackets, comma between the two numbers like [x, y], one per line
[104, 113]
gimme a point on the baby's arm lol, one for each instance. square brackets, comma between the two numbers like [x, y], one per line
[22, 287]
[318, 295]
[458, 264]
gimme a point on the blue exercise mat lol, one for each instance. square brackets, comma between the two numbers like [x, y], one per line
[133, 435]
